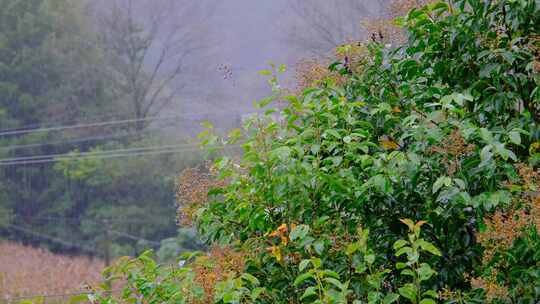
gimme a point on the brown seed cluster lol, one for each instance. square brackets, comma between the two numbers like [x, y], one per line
[384, 29]
[312, 72]
[453, 148]
[192, 188]
[504, 227]
[491, 287]
[220, 264]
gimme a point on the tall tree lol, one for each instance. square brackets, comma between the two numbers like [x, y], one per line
[148, 44]
[320, 26]
[54, 71]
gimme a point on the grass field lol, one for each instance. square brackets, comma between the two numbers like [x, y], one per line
[27, 271]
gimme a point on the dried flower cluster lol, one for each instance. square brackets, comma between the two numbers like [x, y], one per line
[220, 264]
[384, 29]
[491, 287]
[452, 149]
[27, 271]
[192, 188]
[311, 72]
[503, 228]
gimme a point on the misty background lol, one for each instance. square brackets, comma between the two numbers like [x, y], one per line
[100, 102]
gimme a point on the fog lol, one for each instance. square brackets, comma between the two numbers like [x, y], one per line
[101, 102]
[239, 38]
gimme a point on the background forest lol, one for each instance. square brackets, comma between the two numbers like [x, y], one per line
[402, 168]
[100, 102]
[84, 153]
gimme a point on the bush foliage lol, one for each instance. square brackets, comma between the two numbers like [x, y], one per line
[408, 175]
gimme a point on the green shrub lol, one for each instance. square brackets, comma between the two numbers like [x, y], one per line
[442, 130]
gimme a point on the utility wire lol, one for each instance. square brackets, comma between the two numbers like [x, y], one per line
[106, 123]
[80, 219]
[133, 237]
[51, 238]
[108, 156]
[43, 161]
[102, 221]
[65, 142]
[95, 153]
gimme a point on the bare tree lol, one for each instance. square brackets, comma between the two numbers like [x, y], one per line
[149, 45]
[322, 25]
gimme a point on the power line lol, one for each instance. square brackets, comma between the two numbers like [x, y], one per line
[107, 116]
[79, 140]
[106, 123]
[133, 237]
[43, 161]
[107, 156]
[95, 153]
[51, 238]
[65, 142]
[79, 219]
[119, 233]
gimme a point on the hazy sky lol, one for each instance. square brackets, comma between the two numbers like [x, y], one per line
[247, 34]
[244, 35]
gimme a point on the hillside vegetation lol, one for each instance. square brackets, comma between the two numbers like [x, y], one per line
[406, 174]
[71, 139]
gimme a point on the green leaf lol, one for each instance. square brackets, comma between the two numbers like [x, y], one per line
[250, 278]
[429, 247]
[486, 135]
[514, 137]
[400, 265]
[408, 291]
[310, 291]
[404, 250]
[431, 293]
[319, 247]
[441, 181]
[486, 154]
[316, 262]
[333, 133]
[207, 125]
[330, 273]
[256, 292]
[400, 243]
[390, 298]
[487, 69]
[370, 259]
[352, 248]
[303, 265]
[303, 277]
[408, 272]
[425, 272]
[428, 301]
[299, 232]
[374, 297]
[334, 282]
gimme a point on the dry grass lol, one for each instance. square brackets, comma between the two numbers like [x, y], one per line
[27, 271]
